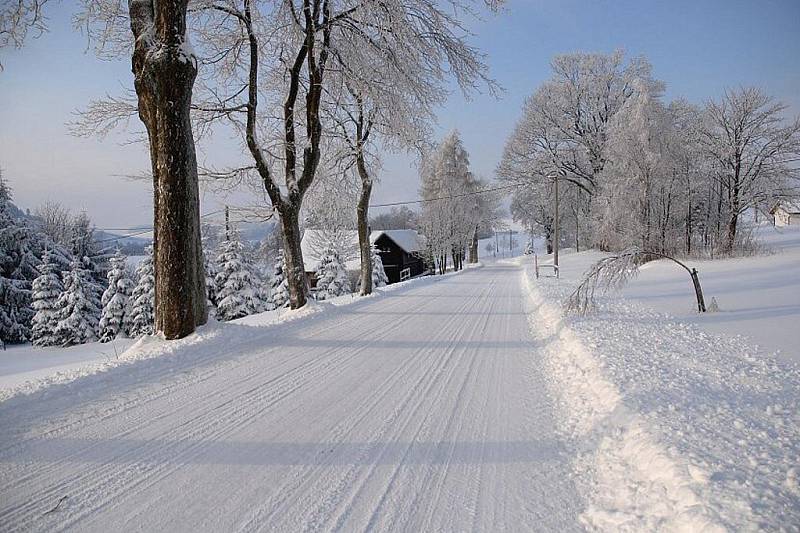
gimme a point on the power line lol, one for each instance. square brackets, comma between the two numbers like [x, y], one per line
[142, 230]
[461, 195]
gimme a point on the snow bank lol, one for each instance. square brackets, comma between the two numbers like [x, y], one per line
[630, 481]
[678, 421]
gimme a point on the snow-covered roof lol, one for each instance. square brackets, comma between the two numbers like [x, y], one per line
[790, 206]
[407, 239]
[346, 242]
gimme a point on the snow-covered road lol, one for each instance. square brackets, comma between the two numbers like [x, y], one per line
[422, 410]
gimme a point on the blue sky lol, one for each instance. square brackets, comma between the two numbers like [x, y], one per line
[697, 47]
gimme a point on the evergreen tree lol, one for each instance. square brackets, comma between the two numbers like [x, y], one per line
[379, 277]
[140, 317]
[115, 299]
[47, 289]
[78, 313]
[332, 278]
[211, 286]
[279, 289]
[18, 264]
[236, 293]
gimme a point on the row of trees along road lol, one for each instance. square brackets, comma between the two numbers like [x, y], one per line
[309, 84]
[301, 81]
[674, 178]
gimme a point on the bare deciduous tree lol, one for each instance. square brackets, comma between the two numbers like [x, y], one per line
[752, 144]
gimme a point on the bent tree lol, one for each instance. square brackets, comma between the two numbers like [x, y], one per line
[164, 69]
[615, 271]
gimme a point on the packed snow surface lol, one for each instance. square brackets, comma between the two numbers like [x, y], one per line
[422, 409]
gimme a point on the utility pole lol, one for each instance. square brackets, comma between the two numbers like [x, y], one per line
[555, 231]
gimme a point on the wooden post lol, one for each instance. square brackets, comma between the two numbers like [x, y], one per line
[536, 265]
[555, 232]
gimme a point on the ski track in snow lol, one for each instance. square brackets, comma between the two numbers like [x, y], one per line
[425, 409]
[682, 430]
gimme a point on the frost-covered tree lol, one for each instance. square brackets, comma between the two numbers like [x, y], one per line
[139, 318]
[295, 54]
[46, 290]
[449, 215]
[332, 280]
[379, 277]
[755, 150]
[279, 290]
[79, 313]
[115, 299]
[237, 294]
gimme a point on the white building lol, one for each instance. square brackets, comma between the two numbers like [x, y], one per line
[786, 213]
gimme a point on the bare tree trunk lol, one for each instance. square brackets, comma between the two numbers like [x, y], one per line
[362, 216]
[164, 75]
[293, 256]
[473, 247]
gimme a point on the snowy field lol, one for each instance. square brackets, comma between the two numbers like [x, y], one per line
[690, 423]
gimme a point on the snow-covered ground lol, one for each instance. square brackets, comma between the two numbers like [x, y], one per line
[467, 401]
[687, 422]
[424, 409]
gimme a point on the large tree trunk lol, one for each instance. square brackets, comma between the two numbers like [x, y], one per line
[362, 216]
[293, 255]
[473, 247]
[164, 76]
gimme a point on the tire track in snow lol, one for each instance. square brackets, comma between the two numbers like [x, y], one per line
[177, 436]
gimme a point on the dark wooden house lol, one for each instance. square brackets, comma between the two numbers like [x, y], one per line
[401, 253]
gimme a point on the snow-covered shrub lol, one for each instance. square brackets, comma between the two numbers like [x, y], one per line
[379, 277]
[140, 317]
[79, 313]
[115, 299]
[332, 280]
[47, 289]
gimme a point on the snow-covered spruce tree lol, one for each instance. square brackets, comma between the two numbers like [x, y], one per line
[140, 317]
[332, 278]
[47, 288]
[115, 299]
[379, 277]
[78, 312]
[17, 270]
[236, 291]
[211, 285]
[279, 287]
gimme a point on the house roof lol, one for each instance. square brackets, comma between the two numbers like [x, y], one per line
[346, 241]
[407, 239]
[790, 206]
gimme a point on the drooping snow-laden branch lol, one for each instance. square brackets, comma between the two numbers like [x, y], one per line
[614, 272]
